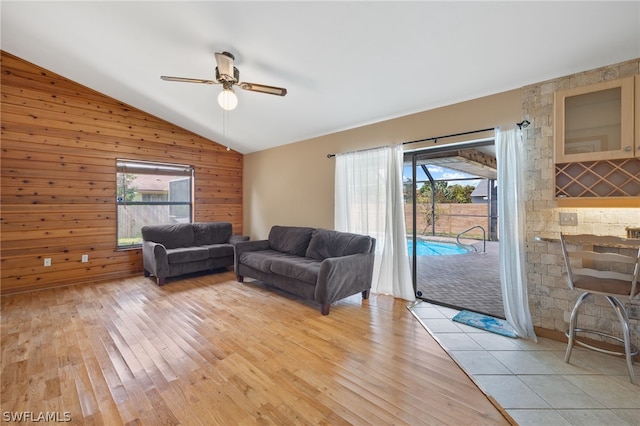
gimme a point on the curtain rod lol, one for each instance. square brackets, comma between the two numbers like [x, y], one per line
[521, 125]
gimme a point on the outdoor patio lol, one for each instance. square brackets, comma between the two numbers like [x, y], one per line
[466, 281]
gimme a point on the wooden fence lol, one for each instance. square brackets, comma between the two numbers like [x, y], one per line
[451, 219]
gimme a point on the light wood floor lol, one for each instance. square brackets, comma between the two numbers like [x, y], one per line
[208, 350]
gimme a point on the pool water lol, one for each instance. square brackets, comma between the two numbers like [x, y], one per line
[435, 248]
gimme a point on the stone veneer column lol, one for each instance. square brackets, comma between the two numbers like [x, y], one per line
[550, 299]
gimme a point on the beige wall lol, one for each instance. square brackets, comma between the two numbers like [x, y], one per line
[294, 184]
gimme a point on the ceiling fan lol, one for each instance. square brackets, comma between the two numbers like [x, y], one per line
[229, 76]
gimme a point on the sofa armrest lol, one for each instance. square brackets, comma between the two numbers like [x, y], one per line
[344, 276]
[238, 238]
[154, 259]
[245, 246]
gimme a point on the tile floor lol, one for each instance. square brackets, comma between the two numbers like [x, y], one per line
[531, 381]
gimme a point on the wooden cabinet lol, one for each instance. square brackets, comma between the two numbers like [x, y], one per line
[597, 144]
[595, 122]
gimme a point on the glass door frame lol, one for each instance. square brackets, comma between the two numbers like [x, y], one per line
[414, 164]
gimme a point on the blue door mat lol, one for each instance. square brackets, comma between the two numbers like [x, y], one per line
[485, 322]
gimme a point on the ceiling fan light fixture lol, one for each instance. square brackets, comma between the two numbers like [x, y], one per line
[227, 99]
[229, 76]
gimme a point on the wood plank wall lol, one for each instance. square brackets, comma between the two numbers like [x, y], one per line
[60, 142]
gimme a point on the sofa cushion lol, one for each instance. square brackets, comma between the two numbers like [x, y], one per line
[170, 236]
[300, 268]
[327, 243]
[260, 260]
[219, 250]
[211, 233]
[187, 254]
[290, 239]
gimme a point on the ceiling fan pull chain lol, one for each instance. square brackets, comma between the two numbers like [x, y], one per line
[224, 127]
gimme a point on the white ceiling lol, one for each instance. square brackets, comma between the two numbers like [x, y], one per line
[345, 64]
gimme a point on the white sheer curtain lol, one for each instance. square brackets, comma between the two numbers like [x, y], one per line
[368, 200]
[511, 229]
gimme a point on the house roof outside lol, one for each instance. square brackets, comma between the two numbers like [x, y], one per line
[481, 189]
[151, 183]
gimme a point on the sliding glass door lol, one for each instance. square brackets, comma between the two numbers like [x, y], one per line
[451, 215]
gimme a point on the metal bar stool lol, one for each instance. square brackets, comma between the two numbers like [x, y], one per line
[611, 275]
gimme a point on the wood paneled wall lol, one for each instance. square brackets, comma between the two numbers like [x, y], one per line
[60, 142]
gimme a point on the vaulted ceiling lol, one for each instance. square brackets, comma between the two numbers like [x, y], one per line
[345, 64]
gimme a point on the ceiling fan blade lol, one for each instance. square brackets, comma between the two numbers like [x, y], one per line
[271, 90]
[225, 65]
[187, 80]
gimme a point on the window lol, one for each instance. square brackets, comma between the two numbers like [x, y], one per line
[151, 194]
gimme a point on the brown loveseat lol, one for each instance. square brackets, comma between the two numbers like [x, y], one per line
[316, 264]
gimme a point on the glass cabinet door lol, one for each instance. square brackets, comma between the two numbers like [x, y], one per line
[595, 122]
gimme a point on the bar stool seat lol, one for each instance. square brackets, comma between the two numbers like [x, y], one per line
[610, 275]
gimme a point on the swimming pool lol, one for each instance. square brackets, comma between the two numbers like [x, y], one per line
[435, 248]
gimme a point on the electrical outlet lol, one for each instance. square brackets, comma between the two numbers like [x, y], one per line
[633, 311]
[85, 258]
[47, 261]
[569, 219]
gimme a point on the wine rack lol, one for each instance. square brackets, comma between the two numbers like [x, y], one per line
[607, 178]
